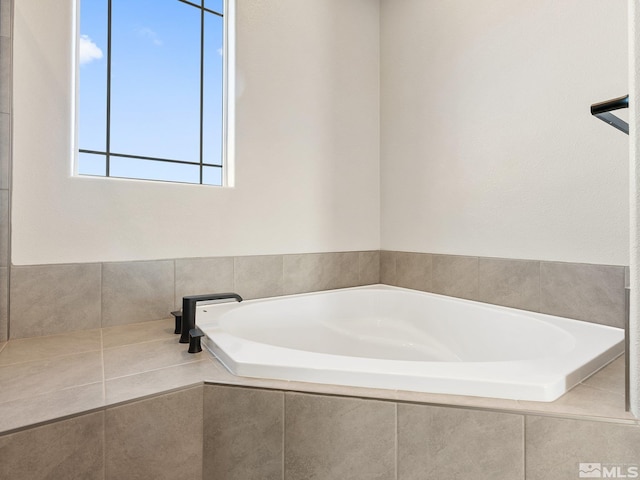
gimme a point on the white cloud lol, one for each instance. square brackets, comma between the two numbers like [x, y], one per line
[220, 52]
[89, 51]
[149, 34]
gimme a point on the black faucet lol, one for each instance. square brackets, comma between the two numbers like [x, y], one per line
[189, 333]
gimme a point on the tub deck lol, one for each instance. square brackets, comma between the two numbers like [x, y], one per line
[127, 363]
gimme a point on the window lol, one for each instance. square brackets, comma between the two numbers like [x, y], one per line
[151, 90]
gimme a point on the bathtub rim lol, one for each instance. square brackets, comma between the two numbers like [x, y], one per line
[544, 382]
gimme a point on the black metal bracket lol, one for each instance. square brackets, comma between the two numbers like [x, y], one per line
[603, 111]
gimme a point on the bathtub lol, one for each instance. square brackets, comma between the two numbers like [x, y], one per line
[392, 338]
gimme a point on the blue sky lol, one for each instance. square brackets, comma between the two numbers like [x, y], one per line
[155, 87]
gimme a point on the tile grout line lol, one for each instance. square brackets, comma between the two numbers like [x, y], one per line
[104, 380]
[396, 440]
[478, 278]
[524, 447]
[539, 287]
[175, 282]
[284, 432]
[233, 273]
[104, 391]
[144, 342]
[48, 393]
[47, 359]
[104, 443]
[204, 427]
[282, 273]
[101, 295]
[154, 370]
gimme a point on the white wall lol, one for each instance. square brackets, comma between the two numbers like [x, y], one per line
[307, 152]
[488, 147]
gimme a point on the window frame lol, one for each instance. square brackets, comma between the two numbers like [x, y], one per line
[228, 111]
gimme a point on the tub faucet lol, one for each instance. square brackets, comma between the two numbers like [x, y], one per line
[189, 333]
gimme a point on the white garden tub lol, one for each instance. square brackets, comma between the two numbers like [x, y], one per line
[387, 337]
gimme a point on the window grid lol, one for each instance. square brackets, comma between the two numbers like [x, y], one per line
[108, 153]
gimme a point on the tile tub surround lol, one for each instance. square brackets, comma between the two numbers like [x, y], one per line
[87, 296]
[215, 431]
[147, 439]
[102, 367]
[129, 385]
[54, 299]
[45, 378]
[592, 293]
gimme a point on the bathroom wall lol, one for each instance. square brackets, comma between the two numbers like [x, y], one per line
[307, 151]
[488, 147]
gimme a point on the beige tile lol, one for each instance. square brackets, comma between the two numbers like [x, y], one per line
[243, 433]
[195, 276]
[583, 400]
[5, 152]
[511, 283]
[610, 378]
[594, 293]
[4, 304]
[413, 270]
[436, 443]
[218, 373]
[258, 276]
[455, 276]
[342, 390]
[5, 20]
[51, 406]
[388, 268]
[341, 269]
[159, 438]
[42, 348]
[627, 276]
[320, 271]
[138, 333]
[127, 388]
[144, 357]
[5, 74]
[24, 380]
[458, 400]
[369, 267]
[69, 449]
[556, 446]
[4, 228]
[135, 292]
[52, 299]
[333, 437]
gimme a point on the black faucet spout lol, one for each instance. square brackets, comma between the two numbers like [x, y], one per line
[189, 310]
